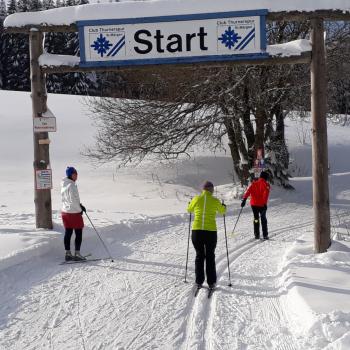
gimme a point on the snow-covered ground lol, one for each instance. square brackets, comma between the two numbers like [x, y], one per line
[282, 296]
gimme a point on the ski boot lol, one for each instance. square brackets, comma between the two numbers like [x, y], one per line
[211, 290]
[197, 289]
[68, 256]
[212, 286]
[78, 256]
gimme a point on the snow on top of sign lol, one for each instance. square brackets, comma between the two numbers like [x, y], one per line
[51, 60]
[132, 9]
[292, 48]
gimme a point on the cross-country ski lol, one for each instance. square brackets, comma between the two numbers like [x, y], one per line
[81, 261]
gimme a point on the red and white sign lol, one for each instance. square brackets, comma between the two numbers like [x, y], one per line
[44, 124]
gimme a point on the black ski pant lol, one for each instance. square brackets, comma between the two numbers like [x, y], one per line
[260, 212]
[78, 238]
[204, 243]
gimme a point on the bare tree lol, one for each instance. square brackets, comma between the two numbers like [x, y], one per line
[203, 107]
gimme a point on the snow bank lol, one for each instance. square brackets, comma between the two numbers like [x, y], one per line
[318, 290]
[18, 247]
[69, 15]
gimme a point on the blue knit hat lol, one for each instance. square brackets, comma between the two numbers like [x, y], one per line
[70, 171]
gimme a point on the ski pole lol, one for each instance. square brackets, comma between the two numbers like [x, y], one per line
[240, 212]
[228, 260]
[99, 237]
[188, 243]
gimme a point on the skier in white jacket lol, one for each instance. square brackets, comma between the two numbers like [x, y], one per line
[72, 214]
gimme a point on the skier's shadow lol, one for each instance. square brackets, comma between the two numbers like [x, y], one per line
[114, 266]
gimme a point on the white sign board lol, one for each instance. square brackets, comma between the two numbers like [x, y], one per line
[173, 39]
[43, 179]
[44, 124]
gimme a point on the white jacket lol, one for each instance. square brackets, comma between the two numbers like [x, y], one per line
[70, 196]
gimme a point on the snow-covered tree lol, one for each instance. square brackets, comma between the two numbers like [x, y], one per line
[15, 50]
[11, 7]
[3, 12]
[66, 44]
[2, 17]
[48, 4]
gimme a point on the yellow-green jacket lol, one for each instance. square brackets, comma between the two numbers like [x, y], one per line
[205, 207]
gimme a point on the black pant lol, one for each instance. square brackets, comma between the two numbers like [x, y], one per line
[204, 243]
[78, 238]
[260, 211]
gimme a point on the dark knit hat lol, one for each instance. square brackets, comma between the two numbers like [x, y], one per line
[264, 175]
[208, 185]
[70, 171]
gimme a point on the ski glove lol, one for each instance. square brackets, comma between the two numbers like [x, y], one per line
[243, 202]
[82, 208]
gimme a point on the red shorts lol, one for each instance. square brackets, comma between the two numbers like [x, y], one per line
[72, 220]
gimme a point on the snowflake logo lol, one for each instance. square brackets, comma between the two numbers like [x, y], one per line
[229, 38]
[101, 45]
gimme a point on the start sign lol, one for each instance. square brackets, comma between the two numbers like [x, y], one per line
[207, 37]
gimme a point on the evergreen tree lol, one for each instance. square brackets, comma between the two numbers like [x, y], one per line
[18, 71]
[66, 44]
[35, 5]
[11, 7]
[23, 6]
[2, 17]
[2, 11]
[15, 49]
[48, 4]
[8, 51]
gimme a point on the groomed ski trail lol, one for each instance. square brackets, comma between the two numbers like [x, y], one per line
[253, 307]
[141, 302]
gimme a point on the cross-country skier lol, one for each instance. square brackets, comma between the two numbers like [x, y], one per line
[204, 233]
[72, 214]
[259, 192]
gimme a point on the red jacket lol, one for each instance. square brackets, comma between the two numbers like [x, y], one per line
[259, 193]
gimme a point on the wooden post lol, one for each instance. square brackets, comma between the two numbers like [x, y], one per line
[319, 139]
[42, 197]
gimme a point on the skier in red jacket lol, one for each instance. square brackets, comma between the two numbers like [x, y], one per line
[259, 192]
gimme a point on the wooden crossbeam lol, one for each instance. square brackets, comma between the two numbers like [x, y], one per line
[304, 58]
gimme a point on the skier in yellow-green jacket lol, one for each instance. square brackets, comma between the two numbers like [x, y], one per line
[204, 232]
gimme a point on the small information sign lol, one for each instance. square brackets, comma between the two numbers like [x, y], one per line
[44, 124]
[43, 179]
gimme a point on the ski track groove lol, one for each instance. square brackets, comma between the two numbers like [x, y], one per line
[236, 253]
[58, 310]
[79, 316]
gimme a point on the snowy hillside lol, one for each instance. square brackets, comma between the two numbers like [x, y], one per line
[282, 295]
